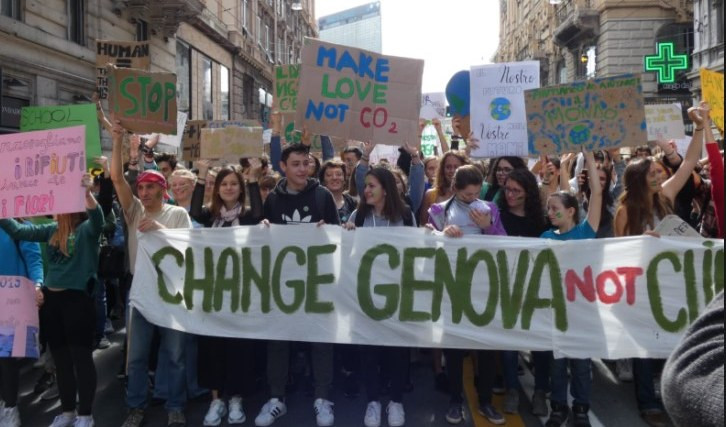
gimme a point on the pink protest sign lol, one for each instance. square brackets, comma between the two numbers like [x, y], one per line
[18, 318]
[41, 171]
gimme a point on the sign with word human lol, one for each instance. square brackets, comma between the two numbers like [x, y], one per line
[222, 140]
[144, 102]
[358, 94]
[596, 114]
[712, 88]
[63, 116]
[433, 106]
[122, 54]
[398, 286]
[41, 171]
[498, 118]
[19, 324]
[665, 121]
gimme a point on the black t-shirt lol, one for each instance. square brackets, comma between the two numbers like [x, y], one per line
[520, 226]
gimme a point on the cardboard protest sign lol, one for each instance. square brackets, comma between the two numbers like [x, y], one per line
[236, 141]
[63, 116]
[673, 225]
[192, 139]
[122, 54]
[665, 121]
[358, 94]
[286, 87]
[602, 298]
[19, 324]
[594, 114]
[498, 118]
[712, 88]
[41, 171]
[433, 106]
[173, 140]
[144, 102]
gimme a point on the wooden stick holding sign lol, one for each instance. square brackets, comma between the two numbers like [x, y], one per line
[144, 102]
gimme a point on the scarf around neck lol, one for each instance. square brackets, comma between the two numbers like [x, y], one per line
[228, 218]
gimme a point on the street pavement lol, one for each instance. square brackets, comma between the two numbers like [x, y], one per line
[613, 402]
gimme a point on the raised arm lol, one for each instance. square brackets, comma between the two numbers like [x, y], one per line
[674, 184]
[594, 205]
[123, 189]
[717, 178]
[416, 178]
[442, 136]
[362, 167]
[276, 142]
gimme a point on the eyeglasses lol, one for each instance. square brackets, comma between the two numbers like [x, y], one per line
[503, 170]
[514, 191]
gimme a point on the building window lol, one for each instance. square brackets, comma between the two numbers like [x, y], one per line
[10, 8]
[207, 106]
[718, 8]
[224, 89]
[267, 38]
[244, 14]
[591, 67]
[259, 29]
[77, 21]
[183, 77]
[142, 30]
[561, 72]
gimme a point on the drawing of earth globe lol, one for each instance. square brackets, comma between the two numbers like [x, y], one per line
[500, 109]
[579, 134]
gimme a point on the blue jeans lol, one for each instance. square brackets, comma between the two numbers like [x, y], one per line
[172, 349]
[510, 365]
[643, 383]
[99, 292]
[580, 381]
[161, 378]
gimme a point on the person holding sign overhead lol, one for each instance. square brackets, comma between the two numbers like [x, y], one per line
[69, 311]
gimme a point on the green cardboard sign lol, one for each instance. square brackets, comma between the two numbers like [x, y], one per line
[63, 116]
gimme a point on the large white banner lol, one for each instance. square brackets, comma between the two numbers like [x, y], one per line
[607, 298]
[498, 117]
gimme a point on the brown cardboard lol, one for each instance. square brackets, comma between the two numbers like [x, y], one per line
[192, 139]
[223, 142]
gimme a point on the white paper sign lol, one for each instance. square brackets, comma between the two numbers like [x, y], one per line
[498, 117]
[433, 106]
[173, 140]
[665, 121]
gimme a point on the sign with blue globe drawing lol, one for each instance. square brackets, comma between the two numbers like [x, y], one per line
[500, 109]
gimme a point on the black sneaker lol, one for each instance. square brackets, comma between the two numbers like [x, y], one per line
[489, 412]
[45, 382]
[580, 416]
[455, 415]
[558, 415]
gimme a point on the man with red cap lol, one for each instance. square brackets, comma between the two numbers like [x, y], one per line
[148, 212]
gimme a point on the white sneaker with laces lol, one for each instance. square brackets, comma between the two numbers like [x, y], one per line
[272, 410]
[396, 415]
[9, 417]
[84, 421]
[64, 420]
[324, 415]
[373, 414]
[236, 412]
[217, 410]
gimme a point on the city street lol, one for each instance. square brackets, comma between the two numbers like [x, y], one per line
[613, 402]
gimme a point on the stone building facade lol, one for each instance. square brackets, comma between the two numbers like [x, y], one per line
[223, 51]
[708, 41]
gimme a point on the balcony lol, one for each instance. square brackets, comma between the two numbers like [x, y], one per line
[162, 15]
[577, 21]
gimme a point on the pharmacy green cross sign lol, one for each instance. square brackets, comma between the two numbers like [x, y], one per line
[666, 63]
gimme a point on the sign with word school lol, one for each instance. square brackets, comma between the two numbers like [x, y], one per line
[192, 139]
[41, 171]
[63, 116]
[712, 88]
[144, 102]
[225, 139]
[498, 119]
[18, 318]
[397, 286]
[596, 114]
[664, 122]
[122, 54]
[357, 94]
[433, 106]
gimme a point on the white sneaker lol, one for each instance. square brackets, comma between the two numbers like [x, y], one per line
[272, 410]
[217, 410]
[84, 421]
[624, 370]
[64, 420]
[236, 412]
[9, 417]
[324, 412]
[373, 414]
[396, 415]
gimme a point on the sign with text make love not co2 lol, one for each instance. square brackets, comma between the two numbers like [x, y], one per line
[604, 298]
[357, 94]
[597, 114]
[41, 171]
